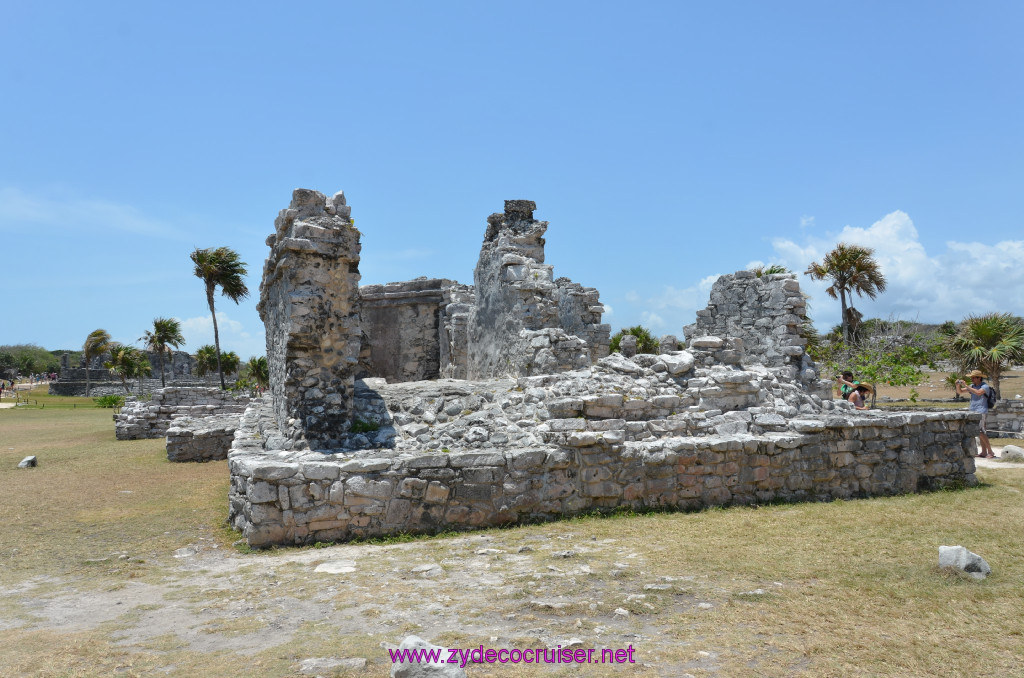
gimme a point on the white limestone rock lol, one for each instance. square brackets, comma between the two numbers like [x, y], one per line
[28, 462]
[678, 362]
[1012, 453]
[441, 669]
[960, 558]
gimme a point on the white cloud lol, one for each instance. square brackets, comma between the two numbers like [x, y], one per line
[233, 335]
[964, 278]
[806, 221]
[19, 210]
[608, 310]
[652, 321]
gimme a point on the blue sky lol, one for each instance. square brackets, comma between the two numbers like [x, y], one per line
[666, 142]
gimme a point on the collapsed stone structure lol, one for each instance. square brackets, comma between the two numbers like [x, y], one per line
[550, 426]
[516, 318]
[151, 418]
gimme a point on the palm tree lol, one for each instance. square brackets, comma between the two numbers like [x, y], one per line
[97, 343]
[166, 333]
[128, 362]
[990, 343]
[259, 372]
[206, 359]
[230, 362]
[851, 270]
[220, 267]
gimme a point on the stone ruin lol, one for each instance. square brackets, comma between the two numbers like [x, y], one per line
[545, 424]
[179, 370]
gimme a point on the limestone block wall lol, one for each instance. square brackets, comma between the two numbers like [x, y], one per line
[765, 314]
[586, 465]
[309, 304]
[201, 438]
[517, 299]
[151, 418]
[402, 326]
[1007, 417]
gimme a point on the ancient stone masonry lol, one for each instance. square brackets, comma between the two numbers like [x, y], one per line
[201, 438]
[554, 428]
[402, 323]
[309, 303]
[1007, 419]
[151, 418]
[514, 320]
[766, 314]
[524, 322]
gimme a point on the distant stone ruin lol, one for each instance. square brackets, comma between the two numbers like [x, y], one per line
[540, 422]
[179, 370]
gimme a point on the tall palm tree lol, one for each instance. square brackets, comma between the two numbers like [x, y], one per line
[97, 343]
[852, 270]
[990, 343]
[166, 333]
[220, 267]
[230, 361]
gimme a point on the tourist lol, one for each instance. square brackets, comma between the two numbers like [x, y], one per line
[846, 384]
[979, 391]
[857, 396]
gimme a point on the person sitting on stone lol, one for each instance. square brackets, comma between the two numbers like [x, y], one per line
[858, 396]
[846, 384]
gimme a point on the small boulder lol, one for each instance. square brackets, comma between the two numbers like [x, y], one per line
[439, 669]
[959, 558]
[678, 362]
[1012, 453]
[28, 462]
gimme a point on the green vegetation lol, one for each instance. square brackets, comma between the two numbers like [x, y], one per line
[128, 362]
[645, 341]
[28, 359]
[97, 343]
[359, 426]
[761, 271]
[254, 376]
[852, 270]
[109, 401]
[220, 267]
[166, 333]
[890, 352]
[990, 343]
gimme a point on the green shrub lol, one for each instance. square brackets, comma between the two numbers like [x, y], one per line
[109, 401]
[645, 341]
[359, 426]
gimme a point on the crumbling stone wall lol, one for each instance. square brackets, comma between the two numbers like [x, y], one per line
[456, 308]
[1007, 418]
[765, 313]
[309, 304]
[518, 324]
[151, 418]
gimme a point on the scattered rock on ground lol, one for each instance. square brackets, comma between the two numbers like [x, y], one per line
[28, 462]
[438, 670]
[1012, 453]
[960, 558]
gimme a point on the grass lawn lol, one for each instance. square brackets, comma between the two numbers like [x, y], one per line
[838, 589]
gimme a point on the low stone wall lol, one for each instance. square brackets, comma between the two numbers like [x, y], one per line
[1006, 420]
[582, 465]
[151, 418]
[201, 439]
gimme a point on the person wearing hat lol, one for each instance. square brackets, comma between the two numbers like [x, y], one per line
[979, 391]
[858, 395]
